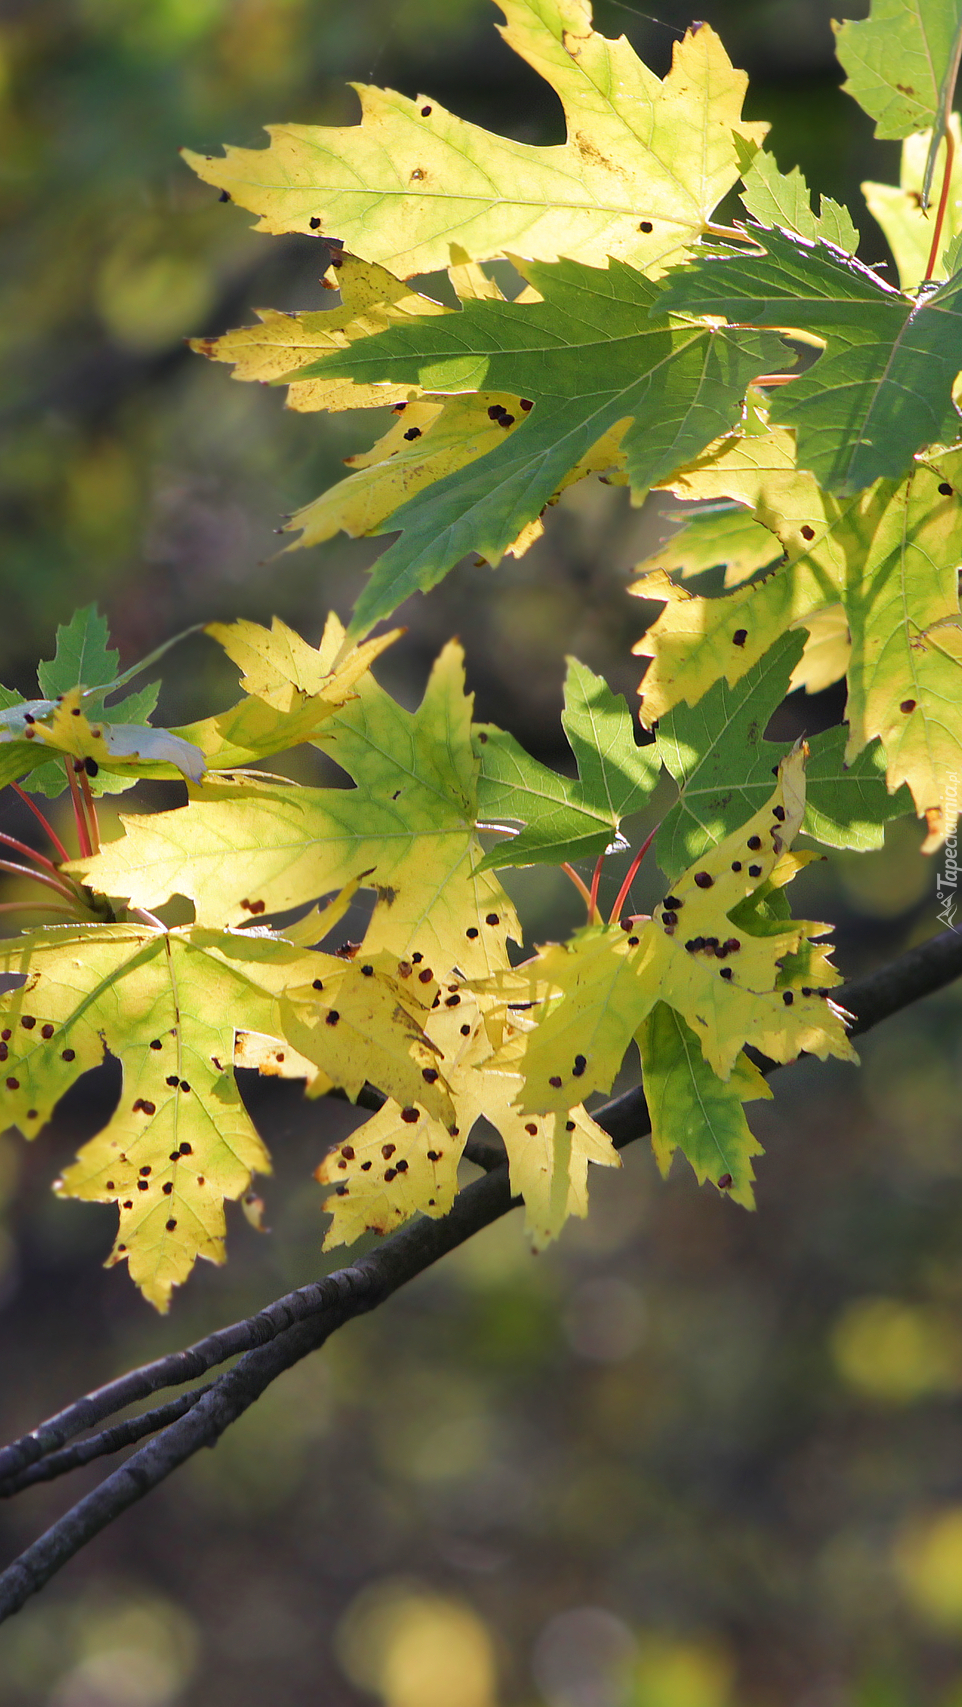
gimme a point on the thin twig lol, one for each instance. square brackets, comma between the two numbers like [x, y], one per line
[42, 817]
[314, 1312]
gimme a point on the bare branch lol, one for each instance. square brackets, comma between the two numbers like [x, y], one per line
[295, 1325]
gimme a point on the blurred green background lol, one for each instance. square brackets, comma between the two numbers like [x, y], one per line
[688, 1458]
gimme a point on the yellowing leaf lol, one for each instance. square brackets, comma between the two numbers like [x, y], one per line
[371, 299]
[828, 651]
[731, 985]
[712, 536]
[432, 437]
[246, 848]
[167, 1004]
[889, 555]
[274, 1059]
[279, 666]
[133, 749]
[403, 1161]
[292, 689]
[644, 165]
[359, 1023]
[694, 1111]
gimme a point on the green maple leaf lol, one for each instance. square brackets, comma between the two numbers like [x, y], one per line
[166, 1004]
[890, 556]
[784, 199]
[82, 655]
[563, 819]
[644, 165]
[902, 62]
[245, 847]
[585, 359]
[695, 1111]
[718, 755]
[883, 387]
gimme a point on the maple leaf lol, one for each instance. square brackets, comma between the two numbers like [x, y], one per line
[403, 1161]
[291, 689]
[562, 819]
[902, 62]
[595, 991]
[171, 1155]
[718, 755]
[907, 227]
[890, 556]
[644, 165]
[245, 848]
[119, 745]
[713, 535]
[371, 299]
[586, 359]
[166, 1004]
[432, 437]
[883, 387]
[783, 199]
[693, 1110]
[31, 728]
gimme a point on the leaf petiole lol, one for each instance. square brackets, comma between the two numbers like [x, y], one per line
[579, 884]
[92, 819]
[631, 875]
[43, 819]
[38, 877]
[943, 204]
[83, 834]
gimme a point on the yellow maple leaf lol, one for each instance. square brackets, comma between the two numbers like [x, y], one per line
[291, 689]
[888, 555]
[371, 299]
[644, 165]
[700, 955]
[402, 1161]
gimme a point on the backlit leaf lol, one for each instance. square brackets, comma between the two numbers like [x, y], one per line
[562, 819]
[883, 387]
[694, 1111]
[899, 60]
[585, 359]
[644, 165]
[729, 985]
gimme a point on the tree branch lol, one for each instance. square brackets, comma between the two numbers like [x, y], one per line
[286, 1331]
[109, 1440]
